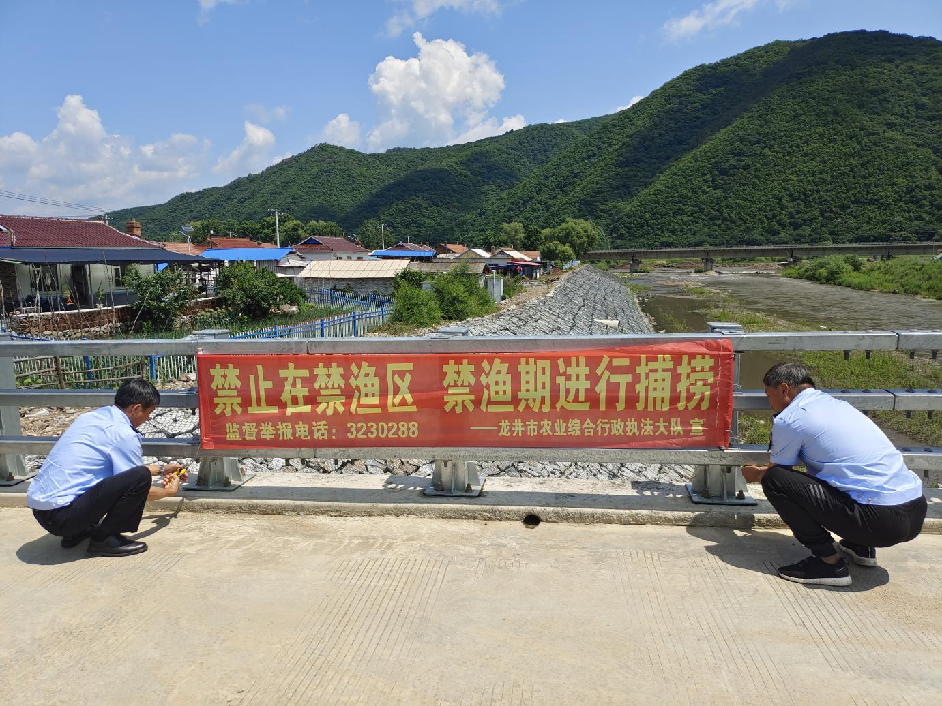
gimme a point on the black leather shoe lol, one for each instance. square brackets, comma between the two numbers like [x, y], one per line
[116, 545]
[73, 540]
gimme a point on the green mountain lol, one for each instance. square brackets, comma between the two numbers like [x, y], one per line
[837, 138]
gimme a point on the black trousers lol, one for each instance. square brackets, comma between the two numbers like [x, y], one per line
[116, 502]
[813, 509]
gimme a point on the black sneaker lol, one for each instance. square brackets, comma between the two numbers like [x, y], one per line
[864, 556]
[814, 570]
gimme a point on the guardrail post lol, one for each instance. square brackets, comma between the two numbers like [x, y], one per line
[455, 478]
[715, 484]
[217, 472]
[12, 468]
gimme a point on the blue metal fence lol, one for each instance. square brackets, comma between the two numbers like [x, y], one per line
[369, 311]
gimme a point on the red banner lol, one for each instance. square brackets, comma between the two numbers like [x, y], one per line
[658, 396]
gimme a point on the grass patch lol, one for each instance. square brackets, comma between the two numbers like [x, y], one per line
[912, 274]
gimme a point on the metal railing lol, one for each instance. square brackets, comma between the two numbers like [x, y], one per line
[359, 302]
[354, 324]
[222, 470]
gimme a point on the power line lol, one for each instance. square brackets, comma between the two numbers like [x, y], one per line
[49, 202]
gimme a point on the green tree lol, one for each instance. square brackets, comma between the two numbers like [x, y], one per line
[248, 291]
[580, 235]
[557, 252]
[161, 297]
[325, 228]
[369, 234]
[513, 235]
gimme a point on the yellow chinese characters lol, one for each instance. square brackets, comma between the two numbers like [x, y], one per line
[225, 383]
[696, 379]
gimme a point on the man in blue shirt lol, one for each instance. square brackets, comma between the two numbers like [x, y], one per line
[856, 483]
[94, 482]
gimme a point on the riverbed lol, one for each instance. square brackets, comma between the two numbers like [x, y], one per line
[672, 307]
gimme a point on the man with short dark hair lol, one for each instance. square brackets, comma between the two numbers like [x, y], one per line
[856, 484]
[94, 482]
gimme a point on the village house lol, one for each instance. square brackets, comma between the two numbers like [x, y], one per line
[449, 250]
[55, 264]
[322, 247]
[357, 276]
[406, 251]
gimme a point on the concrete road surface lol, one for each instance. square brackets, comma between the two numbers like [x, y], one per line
[243, 609]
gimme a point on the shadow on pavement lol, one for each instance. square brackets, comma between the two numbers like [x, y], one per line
[159, 522]
[46, 551]
[763, 551]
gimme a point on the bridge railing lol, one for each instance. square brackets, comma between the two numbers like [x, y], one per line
[219, 470]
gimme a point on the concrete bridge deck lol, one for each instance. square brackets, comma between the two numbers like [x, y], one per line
[313, 609]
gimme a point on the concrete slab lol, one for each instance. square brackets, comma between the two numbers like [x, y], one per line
[317, 610]
[504, 498]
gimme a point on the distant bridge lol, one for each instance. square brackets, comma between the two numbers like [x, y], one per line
[784, 252]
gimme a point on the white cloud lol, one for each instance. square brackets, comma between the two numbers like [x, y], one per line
[17, 151]
[260, 114]
[634, 101]
[489, 128]
[280, 158]
[441, 95]
[561, 120]
[419, 10]
[711, 15]
[342, 131]
[207, 5]
[253, 153]
[79, 161]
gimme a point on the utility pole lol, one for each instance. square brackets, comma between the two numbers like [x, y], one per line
[382, 237]
[277, 234]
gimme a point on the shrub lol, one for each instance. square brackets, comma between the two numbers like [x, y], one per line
[247, 291]
[413, 305]
[460, 296]
[410, 278]
[161, 297]
[512, 285]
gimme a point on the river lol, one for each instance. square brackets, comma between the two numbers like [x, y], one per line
[673, 309]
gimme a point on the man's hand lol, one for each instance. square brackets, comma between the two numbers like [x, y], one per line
[174, 472]
[171, 485]
[753, 474]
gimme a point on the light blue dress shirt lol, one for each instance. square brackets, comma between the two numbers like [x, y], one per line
[843, 447]
[99, 444]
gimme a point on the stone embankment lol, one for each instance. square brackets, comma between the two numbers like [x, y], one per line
[585, 302]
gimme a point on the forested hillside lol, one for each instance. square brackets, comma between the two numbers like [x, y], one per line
[837, 138]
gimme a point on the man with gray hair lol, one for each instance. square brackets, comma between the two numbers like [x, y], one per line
[856, 484]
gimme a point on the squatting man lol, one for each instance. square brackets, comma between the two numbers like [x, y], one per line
[856, 484]
[94, 482]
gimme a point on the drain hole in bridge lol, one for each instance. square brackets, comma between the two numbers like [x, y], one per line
[531, 521]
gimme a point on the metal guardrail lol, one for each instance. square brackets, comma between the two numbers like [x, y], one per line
[12, 444]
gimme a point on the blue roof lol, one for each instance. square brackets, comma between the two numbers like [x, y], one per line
[245, 254]
[396, 253]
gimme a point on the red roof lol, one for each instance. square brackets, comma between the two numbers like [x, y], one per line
[184, 248]
[219, 241]
[325, 243]
[38, 232]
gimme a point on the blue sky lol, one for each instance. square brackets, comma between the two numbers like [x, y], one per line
[111, 103]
